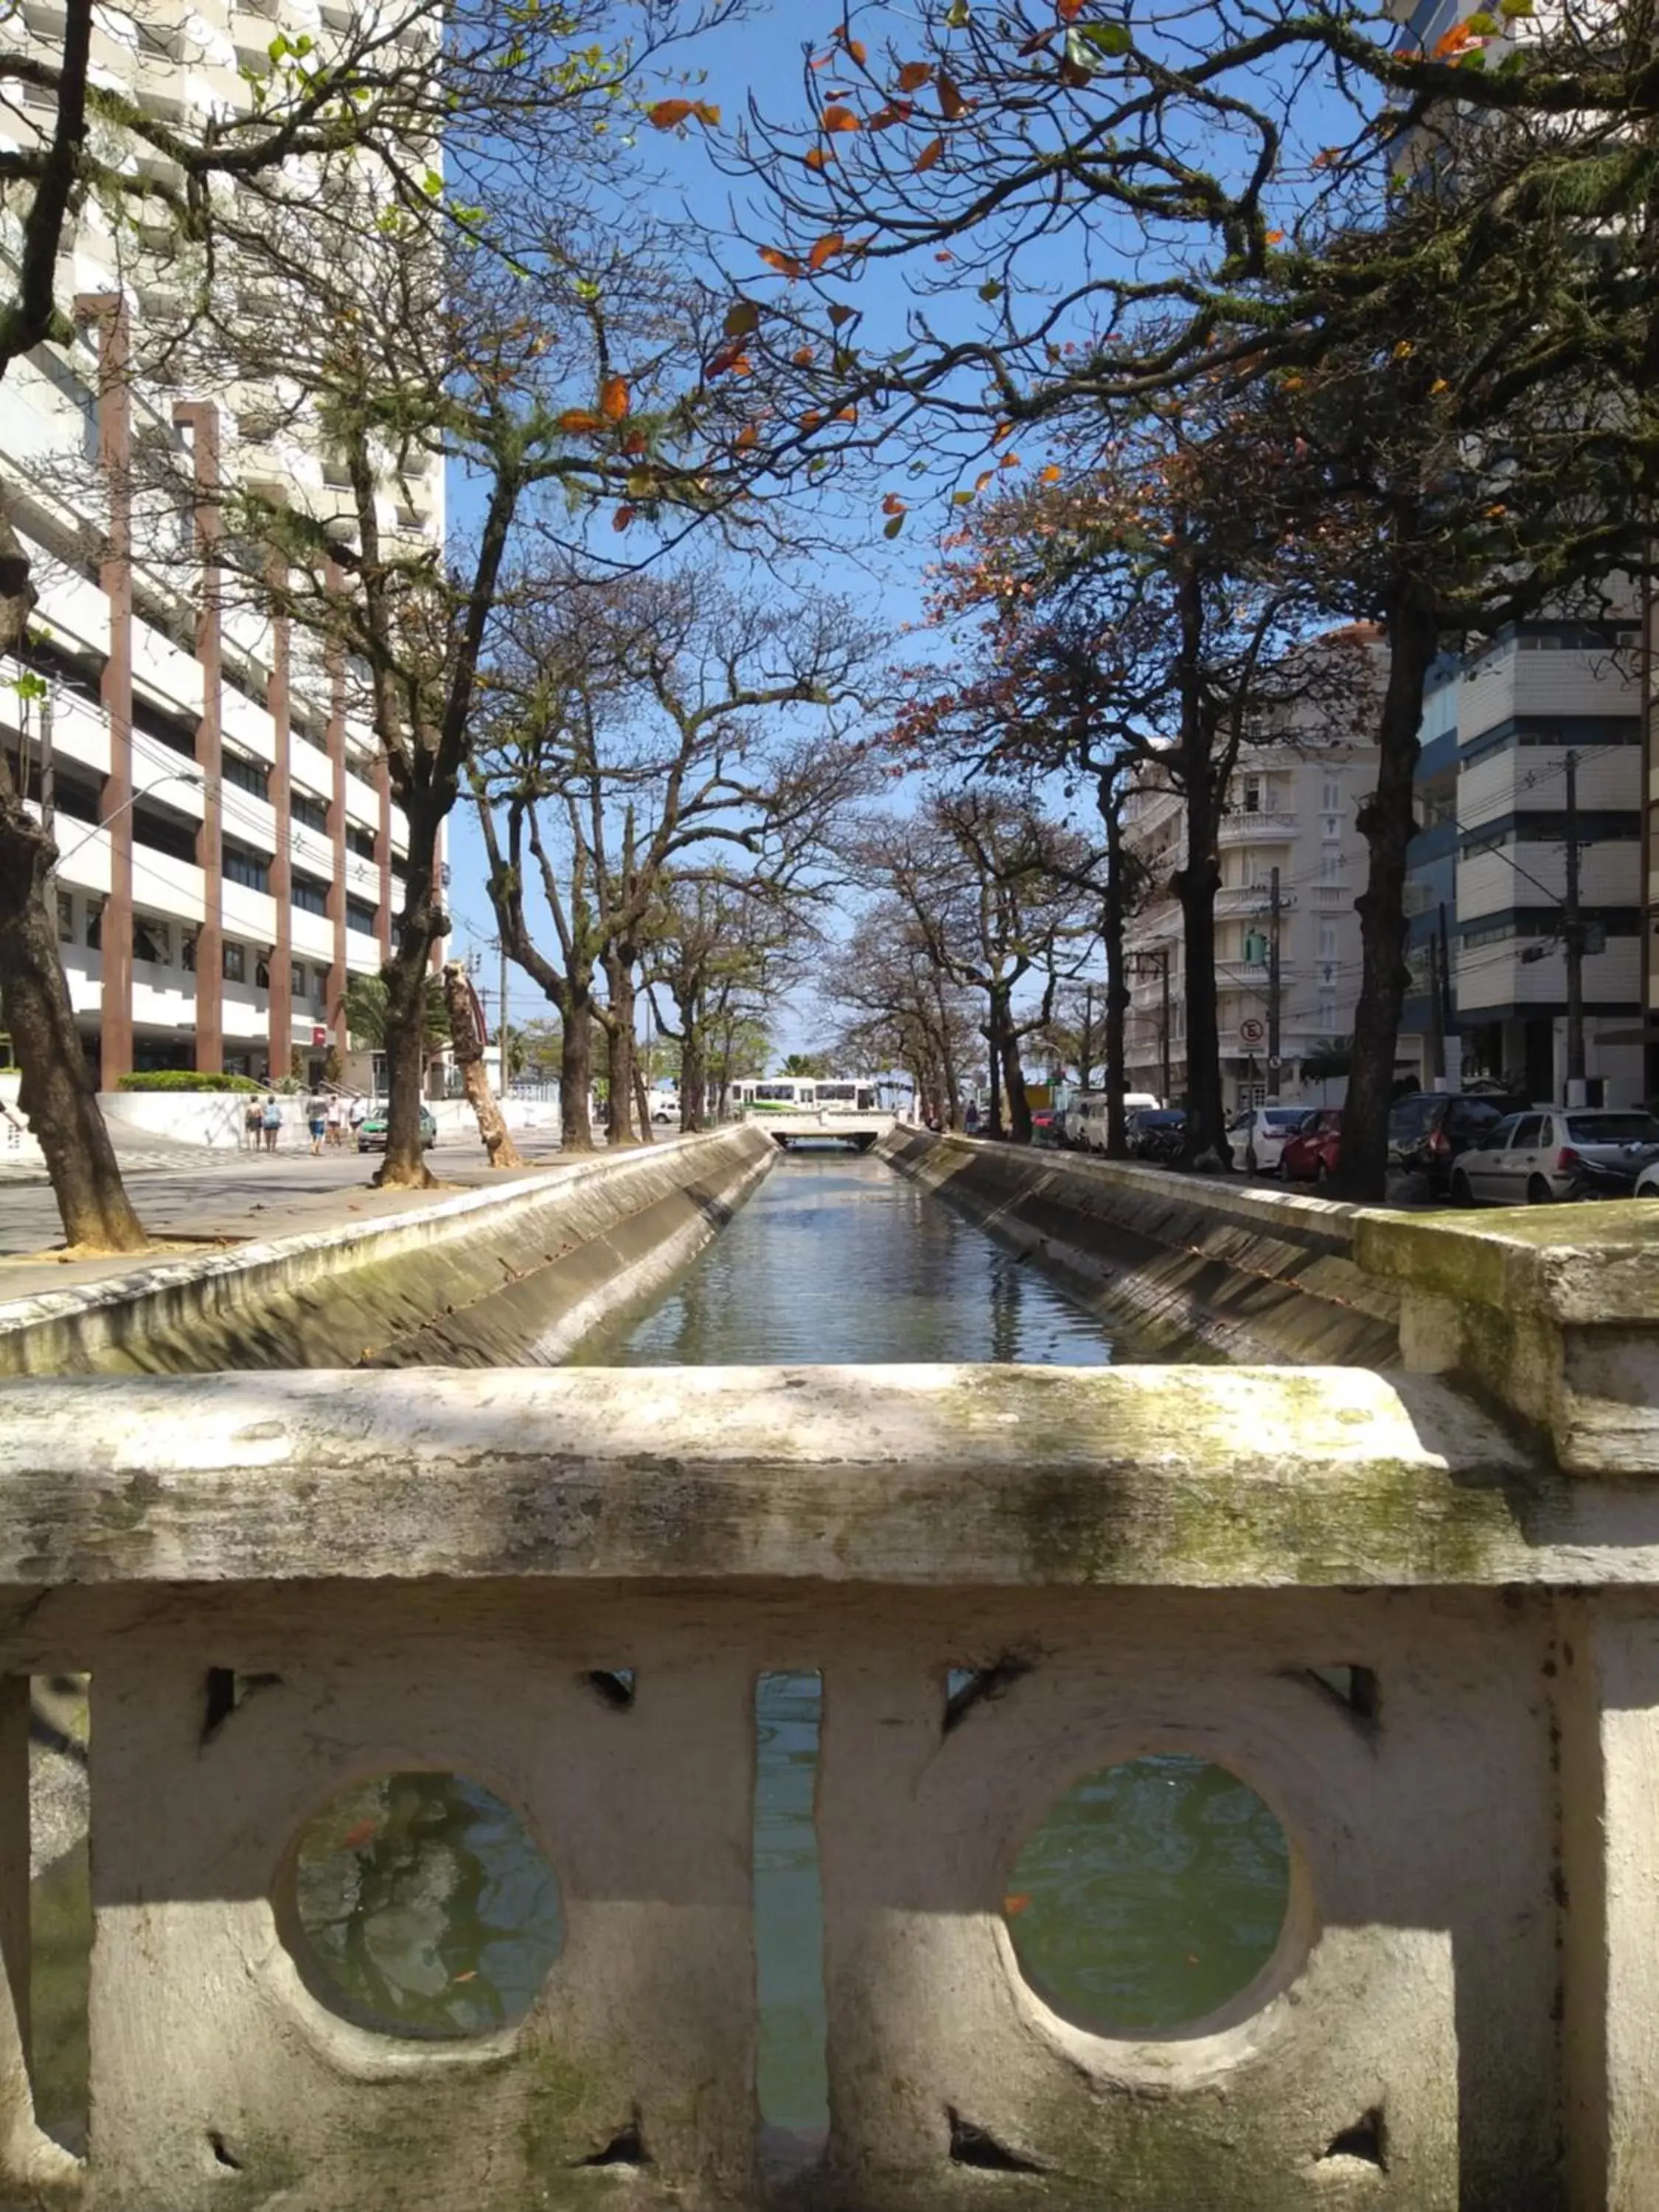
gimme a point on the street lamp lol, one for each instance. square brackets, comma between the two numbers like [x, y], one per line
[191, 777]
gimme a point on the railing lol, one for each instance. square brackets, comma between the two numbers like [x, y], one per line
[1416, 1611]
[1243, 827]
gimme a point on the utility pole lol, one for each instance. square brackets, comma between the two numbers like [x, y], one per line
[1272, 984]
[48, 765]
[1573, 934]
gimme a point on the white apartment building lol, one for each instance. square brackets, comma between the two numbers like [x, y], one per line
[230, 855]
[1499, 728]
[1290, 806]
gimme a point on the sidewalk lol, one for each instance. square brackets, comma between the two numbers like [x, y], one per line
[231, 1198]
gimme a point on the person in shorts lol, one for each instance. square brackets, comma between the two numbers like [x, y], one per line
[271, 1120]
[252, 1124]
[337, 1123]
[317, 1120]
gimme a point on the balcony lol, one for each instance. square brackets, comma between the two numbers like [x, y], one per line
[1252, 899]
[1244, 829]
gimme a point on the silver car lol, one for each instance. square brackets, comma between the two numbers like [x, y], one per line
[1530, 1158]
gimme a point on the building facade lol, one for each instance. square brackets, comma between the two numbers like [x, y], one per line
[1290, 806]
[1532, 749]
[230, 856]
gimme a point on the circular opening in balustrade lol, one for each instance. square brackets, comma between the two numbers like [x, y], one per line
[419, 1905]
[1153, 1893]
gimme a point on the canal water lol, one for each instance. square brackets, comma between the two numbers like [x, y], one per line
[1153, 1892]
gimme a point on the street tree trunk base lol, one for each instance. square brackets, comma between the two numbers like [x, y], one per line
[386, 1178]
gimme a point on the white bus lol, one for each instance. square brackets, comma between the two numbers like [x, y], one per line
[802, 1094]
[857, 1096]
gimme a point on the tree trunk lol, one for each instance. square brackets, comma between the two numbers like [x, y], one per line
[1013, 1080]
[994, 1075]
[1196, 883]
[694, 1073]
[619, 1049]
[56, 1091]
[469, 1051]
[422, 924]
[642, 1100]
[1387, 822]
[576, 1068]
[1112, 927]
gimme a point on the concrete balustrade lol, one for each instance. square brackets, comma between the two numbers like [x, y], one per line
[425, 1569]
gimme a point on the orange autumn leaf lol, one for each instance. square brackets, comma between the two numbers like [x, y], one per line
[1273, 237]
[818, 158]
[1068, 10]
[1051, 474]
[811, 419]
[929, 154]
[1453, 41]
[1002, 430]
[668, 112]
[841, 118]
[784, 264]
[622, 517]
[892, 504]
[849, 414]
[613, 398]
[748, 436]
[633, 443]
[1014, 1904]
[896, 111]
[707, 113]
[1009, 461]
[825, 250]
[952, 103]
[857, 51]
[356, 1837]
[802, 357]
[984, 478]
[579, 418]
[914, 74]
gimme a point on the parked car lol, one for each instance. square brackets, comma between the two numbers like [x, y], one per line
[1647, 1183]
[1043, 1126]
[1087, 1126]
[1258, 1136]
[371, 1136]
[1430, 1129]
[1313, 1152]
[1157, 1133]
[1534, 1157]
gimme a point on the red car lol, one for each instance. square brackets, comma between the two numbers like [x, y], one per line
[1311, 1155]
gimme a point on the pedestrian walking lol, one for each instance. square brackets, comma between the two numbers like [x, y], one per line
[337, 1123]
[317, 1118]
[271, 1120]
[252, 1124]
[359, 1114]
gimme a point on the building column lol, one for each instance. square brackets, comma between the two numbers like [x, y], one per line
[201, 418]
[336, 823]
[108, 310]
[383, 853]
[279, 705]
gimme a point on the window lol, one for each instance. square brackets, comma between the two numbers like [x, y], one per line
[296, 977]
[360, 916]
[1253, 795]
[94, 924]
[248, 774]
[233, 964]
[361, 841]
[308, 895]
[151, 941]
[1528, 1133]
[187, 955]
[313, 813]
[1330, 796]
[65, 919]
[1327, 940]
[251, 870]
[1330, 866]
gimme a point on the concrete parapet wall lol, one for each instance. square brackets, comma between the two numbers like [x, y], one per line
[1194, 1266]
[517, 1273]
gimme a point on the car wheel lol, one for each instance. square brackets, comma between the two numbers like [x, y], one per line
[1539, 1192]
[1462, 1191]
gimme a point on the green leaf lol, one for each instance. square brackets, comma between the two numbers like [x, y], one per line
[992, 290]
[741, 318]
[892, 529]
[1105, 37]
[957, 14]
[1483, 25]
[1081, 54]
[1509, 10]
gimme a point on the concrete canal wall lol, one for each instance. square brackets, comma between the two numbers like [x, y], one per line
[1191, 1267]
[515, 1275]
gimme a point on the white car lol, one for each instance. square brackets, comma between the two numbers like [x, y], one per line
[1087, 1122]
[1530, 1158]
[1258, 1136]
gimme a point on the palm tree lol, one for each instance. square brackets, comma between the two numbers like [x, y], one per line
[364, 1007]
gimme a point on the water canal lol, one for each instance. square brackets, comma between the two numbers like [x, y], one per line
[1153, 1891]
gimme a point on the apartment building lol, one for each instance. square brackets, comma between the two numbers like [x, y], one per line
[1489, 866]
[1290, 806]
[230, 856]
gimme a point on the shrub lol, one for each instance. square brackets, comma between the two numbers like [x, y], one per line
[185, 1078]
